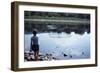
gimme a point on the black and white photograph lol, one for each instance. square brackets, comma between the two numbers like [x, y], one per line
[56, 36]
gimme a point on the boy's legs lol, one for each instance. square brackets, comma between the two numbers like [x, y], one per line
[37, 54]
[34, 55]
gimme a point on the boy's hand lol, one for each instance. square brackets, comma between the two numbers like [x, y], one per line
[30, 50]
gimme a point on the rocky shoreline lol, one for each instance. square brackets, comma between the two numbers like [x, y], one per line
[29, 56]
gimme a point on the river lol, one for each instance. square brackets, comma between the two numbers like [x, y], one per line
[62, 45]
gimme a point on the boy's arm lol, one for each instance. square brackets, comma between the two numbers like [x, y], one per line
[31, 45]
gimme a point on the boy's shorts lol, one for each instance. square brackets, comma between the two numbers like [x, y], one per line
[35, 48]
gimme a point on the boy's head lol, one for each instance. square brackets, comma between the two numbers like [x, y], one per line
[34, 32]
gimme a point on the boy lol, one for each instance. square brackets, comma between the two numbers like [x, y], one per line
[34, 45]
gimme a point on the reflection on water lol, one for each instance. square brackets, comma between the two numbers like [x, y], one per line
[62, 45]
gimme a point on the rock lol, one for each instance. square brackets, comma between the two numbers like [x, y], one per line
[31, 59]
[54, 58]
[82, 53]
[70, 56]
[41, 59]
[47, 57]
[65, 55]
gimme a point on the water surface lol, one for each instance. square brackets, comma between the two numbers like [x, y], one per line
[62, 45]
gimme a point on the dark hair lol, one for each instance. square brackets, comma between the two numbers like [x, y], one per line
[34, 32]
